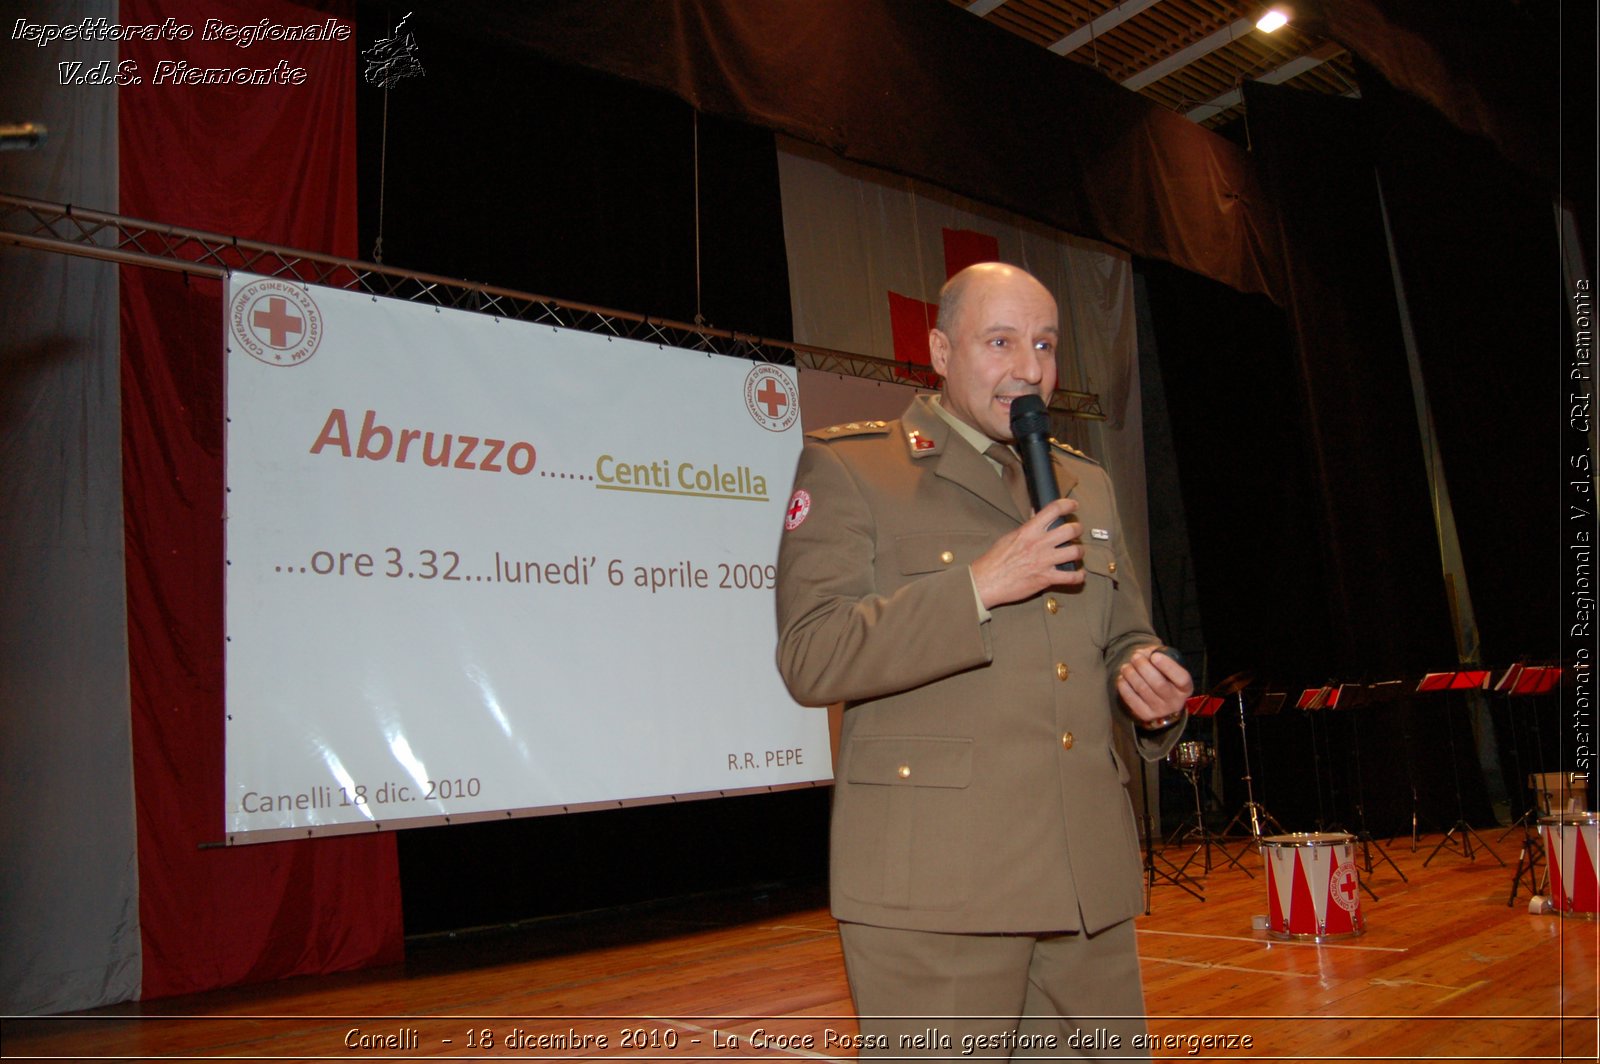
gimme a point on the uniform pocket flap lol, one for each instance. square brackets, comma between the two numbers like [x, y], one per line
[911, 761]
[1099, 560]
[931, 552]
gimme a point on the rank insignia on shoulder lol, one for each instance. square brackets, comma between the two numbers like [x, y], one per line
[852, 428]
[1067, 447]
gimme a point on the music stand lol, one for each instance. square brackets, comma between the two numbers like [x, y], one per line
[1352, 697]
[1461, 680]
[1522, 681]
[1311, 700]
[1253, 812]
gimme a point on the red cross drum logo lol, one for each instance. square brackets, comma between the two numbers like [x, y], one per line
[275, 322]
[771, 398]
[1346, 887]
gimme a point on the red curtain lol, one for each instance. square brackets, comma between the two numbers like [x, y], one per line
[274, 163]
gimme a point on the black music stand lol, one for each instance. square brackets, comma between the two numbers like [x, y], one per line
[1252, 812]
[1350, 697]
[1523, 681]
[1460, 831]
[1312, 700]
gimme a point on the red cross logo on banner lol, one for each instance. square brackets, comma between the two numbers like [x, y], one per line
[770, 397]
[277, 322]
[910, 319]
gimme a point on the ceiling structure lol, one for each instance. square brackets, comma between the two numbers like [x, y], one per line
[1189, 56]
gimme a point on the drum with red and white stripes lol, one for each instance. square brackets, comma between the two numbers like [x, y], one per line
[1572, 849]
[1313, 887]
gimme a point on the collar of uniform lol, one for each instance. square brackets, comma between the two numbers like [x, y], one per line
[930, 431]
[926, 430]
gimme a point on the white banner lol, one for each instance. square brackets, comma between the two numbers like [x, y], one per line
[478, 566]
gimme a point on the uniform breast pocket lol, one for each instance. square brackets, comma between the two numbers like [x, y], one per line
[919, 553]
[902, 821]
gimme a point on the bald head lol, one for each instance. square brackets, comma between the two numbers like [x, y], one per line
[953, 295]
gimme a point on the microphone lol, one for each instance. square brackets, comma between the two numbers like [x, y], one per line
[1030, 426]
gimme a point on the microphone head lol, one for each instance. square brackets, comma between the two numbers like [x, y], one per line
[1028, 417]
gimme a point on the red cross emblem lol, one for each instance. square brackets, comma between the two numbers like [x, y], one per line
[799, 507]
[277, 322]
[769, 396]
[1346, 887]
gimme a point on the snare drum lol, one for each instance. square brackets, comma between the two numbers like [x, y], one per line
[1572, 847]
[1191, 755]
[1313, 888]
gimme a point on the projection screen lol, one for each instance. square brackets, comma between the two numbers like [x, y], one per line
[483, 568]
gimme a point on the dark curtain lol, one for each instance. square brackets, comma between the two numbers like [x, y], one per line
[928, 90]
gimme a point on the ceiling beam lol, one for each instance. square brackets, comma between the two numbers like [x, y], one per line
[1108, 20]
[983, 7]
[1292, 69]
[1179, 60]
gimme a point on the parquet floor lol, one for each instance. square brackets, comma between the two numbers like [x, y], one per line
[1446, 971]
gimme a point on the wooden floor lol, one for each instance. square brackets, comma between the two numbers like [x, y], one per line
[1446, 971]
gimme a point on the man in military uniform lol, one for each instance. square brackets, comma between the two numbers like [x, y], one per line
[985, 865]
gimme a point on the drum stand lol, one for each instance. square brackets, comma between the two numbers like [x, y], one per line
[1176, 875]
[1461, 827]
[1253, 810]
[1206, 837]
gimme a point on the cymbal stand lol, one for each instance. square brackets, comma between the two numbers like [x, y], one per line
[1460, 827]
[1254, 810]
[1172, 873]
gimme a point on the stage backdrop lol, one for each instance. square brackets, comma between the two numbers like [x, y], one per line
[478, 566]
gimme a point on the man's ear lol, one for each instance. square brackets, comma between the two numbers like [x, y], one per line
[938, 351]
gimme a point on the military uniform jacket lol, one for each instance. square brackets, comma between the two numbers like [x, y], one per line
[977, 788]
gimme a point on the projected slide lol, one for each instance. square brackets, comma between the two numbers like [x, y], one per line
[480, 567]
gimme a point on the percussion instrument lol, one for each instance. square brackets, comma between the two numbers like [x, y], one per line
[1192, 755]
[1313, 887]
[1572, 849]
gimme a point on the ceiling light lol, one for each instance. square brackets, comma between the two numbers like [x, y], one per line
[1273, 19]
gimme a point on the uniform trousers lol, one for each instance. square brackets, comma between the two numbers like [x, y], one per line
[959, 996]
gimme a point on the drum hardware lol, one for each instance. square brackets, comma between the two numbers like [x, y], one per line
[1528, 858]
[1572, 862]
[1313, 886]
[1461, 833]
[1171, 873]
[1190, 758]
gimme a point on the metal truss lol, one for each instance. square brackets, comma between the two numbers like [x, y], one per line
[113, 238]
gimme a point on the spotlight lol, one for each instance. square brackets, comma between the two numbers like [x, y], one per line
[1274, 18]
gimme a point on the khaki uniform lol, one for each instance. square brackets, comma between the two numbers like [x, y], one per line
[977, 788]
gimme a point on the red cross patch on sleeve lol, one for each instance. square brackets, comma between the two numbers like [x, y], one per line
[799, 506]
